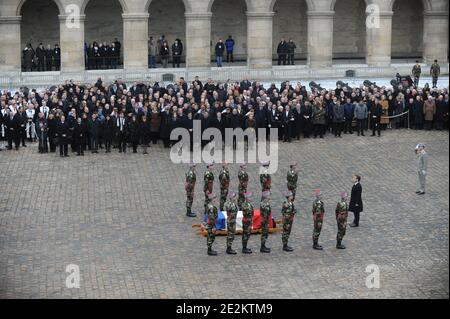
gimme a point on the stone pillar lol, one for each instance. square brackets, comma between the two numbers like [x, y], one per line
[10, 50]
[259, 39]
[320, 38]
[135, 41]
[435, 37]
[71, 42]
[378, 40]
[198, 40]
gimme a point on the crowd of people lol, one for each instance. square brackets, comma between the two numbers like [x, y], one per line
[41, 59]
[117, 116]
[100, 56]
[160, 52]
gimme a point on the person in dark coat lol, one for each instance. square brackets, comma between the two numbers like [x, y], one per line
[306, 114]
[94, 132]
[122, 132]
[164, 54]
[62, 133]
[291, 51]
[49, 58]
[40, 55]
[52, 134]
[349, 113]
[42, 133]
[356, 204]
[177, 51]
[441, 111]
[376, 111]
[57, 57]
[288, 120]
[12, 123]
[28, 57]
[23, 123]
[145, 130]
[282, 51]
[108, 127]
[79, 135]
[165, 127]
[219, 50]
[133, 131]
[418, 113]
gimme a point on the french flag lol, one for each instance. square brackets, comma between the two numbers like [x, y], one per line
[221, 223]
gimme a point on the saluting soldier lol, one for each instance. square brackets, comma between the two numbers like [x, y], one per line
[208, 178]
[292, 178]
[232, 209]
[189, 185]
[243, 183]
[211, 213]
[417, 71]
[318, 214]
[265, 211]
[247, 222]
[224, 179]
[288, 211]
[341, 219]
[265, 178]
[435, 71]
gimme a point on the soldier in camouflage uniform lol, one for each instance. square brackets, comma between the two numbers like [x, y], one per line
[232, 209]
[189, 185]
[417, 71]
[208, 183]
[243, 183]
[341, 219]
[435, 71]
[211, 213]
[265, 179]
[247, 221]
[288, 211]
[292, 178]
[265, 211]
[224, 179]
[318, 214]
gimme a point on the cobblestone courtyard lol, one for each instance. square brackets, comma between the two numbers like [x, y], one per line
[121, 219]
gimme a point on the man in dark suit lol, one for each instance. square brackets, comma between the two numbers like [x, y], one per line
[356, 204]
[63, 131]
[12, 123]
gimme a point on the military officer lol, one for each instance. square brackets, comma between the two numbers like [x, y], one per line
[243, 183]
[318, 214]
[341, 219]
[189, 185]
[265, 211]
[208, 183]
[224, 179]
[232, 209]
[417, 71]
[435, 71]
[292, 178]
[247, 221]
[211, 213]
[265, 178]
[288, 211]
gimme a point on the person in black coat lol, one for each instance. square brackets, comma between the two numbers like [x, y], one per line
[145, 133]
[108, 127]
[219, 50]
[356, 204]
[12, 122]
[49, 58]
[288, 121]
[62, 133]
[122, 132]
[57, 57]
[52, 127]
[23, 123]
[376, 112]
[177, 51]
[40, 54]
[282, 51]
[133, 130]
[94, 132]
[79, 135]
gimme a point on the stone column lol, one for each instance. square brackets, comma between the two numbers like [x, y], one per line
[198, 40]
[378, 40]
[259, 39]
[320, 38]
[435, 37]
[10, 50]
[135, 41]
[71, 42]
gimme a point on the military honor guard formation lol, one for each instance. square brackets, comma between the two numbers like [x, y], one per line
[232, 202]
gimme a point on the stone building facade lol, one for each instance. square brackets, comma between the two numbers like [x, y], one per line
[323, 30]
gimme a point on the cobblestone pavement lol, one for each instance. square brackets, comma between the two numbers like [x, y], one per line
[121, 219]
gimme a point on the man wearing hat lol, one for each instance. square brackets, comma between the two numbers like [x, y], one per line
[288, 211]
[265, 178]
[189, 185]
[211, 213]
[247, 221]
[341, 218]
[224, 179]
[265, 211]
[417, 71]
[318, 214]
[232, 209]
[243, 183]
[423, 163]
[208, 183]
[292, 178]
[435, 71]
